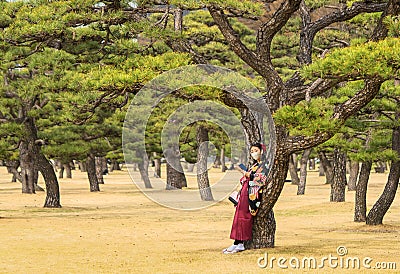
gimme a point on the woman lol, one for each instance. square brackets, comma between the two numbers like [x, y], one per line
[249, 199]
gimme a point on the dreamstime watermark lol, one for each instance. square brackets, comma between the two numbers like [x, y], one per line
[158, 99]
[338, 261]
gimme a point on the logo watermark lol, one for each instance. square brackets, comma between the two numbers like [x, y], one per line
[157, 104]
[340, 260]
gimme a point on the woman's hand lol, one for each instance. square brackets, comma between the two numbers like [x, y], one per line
[247, 174]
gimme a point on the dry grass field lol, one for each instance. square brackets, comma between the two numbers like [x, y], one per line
[119, 230]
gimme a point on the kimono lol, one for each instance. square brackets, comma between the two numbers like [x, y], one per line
[249, 201]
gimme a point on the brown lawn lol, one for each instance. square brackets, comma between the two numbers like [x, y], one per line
[119, 230]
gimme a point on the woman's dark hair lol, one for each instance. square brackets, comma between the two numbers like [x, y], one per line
[262, 149]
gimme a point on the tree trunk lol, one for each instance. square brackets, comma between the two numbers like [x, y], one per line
[176, 178]
[143, 166]
[99, 162]
[354, 170]
[12, 168]
[263, 231]
[293, 170]
[35, 180]
[264, 224]
[68, 172]
[338, 185]
[91, 171]
[303, 172]
[360, 210]
[61, 171]
[223, 164]
[114, 165]
[82, 166]
[202, 170]
[312, 164]
[50, 179]
[27, 164]
[328, 169]
[321, 171]
[157, 165]
[378, 211]
[41, 164]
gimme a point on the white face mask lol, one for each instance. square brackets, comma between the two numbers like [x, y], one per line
[256, 155]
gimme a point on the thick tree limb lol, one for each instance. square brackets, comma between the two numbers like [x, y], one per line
[342, 112]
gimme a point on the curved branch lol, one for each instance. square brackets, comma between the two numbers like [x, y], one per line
[268, 30]
[341, 114]
[310, 29]
[262, 66]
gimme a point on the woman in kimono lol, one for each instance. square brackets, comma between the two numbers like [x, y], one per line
[249, 199]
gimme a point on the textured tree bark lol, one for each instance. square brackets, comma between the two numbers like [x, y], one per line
[202, 170]
[327, 166]
[293, 170]
[91, 171]
[360, 206]
[354, 170]
[303, 172]
[176, 178]
[378, 211]
[50, 179]
[263, 231]
[338, 185]
[99, 162]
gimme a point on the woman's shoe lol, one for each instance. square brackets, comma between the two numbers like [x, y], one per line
[229, 249]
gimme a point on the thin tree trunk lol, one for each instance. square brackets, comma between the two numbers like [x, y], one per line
[143, 166]
[91, 171]
[354, 170]
[202, 171]
[82, 166]
[378, 211]
[61, 171]
[338, 185]
[303, 172]
[68, 172]
[114, 165]
[293, 170]
[12, 168]
[223, 164]
[360, 206]
[321, 171]
[36, 179]
[328, 169]
[312, 164]
[157, 165]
